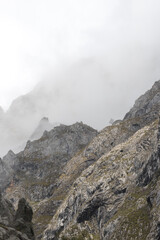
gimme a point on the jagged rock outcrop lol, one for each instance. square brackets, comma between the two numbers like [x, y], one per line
[15, 225]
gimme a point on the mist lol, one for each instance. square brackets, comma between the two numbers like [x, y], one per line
[74, 61]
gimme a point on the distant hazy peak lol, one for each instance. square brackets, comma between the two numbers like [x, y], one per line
[44, 125]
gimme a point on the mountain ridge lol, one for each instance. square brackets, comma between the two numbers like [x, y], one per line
[81, 182]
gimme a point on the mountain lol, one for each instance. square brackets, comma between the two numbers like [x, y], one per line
[103, 200]
[116, 197]
[84, 184]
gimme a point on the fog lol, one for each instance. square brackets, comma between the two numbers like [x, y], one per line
[74, 61]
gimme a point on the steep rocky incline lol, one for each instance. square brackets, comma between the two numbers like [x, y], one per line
[96, 204]
[16, 225]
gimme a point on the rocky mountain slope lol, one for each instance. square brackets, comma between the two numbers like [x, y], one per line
[117, 196]
[93, 207]
[91, 185]
[32, 173]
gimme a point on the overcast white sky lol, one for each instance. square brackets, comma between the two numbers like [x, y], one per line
[39, 36]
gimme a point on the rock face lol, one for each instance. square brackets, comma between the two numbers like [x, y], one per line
[15, 225]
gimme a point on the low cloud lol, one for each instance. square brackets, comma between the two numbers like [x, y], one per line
[91, 60]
